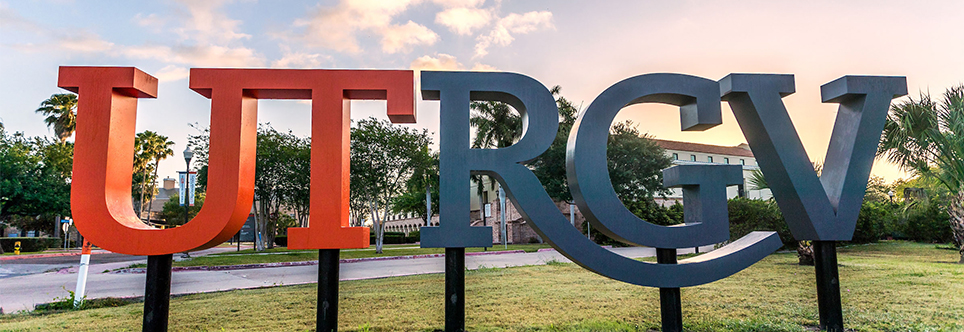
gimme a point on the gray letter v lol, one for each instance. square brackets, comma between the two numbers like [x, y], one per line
[824, 208]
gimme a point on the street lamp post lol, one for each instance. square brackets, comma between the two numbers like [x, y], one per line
[188, 154]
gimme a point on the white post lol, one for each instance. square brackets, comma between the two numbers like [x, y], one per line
[428, 205]
[572, 214]
[505, 242]
[82, 275]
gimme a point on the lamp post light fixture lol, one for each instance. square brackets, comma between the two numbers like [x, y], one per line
[188, 155]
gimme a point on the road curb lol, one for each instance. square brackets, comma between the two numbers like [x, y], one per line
[59, 254]
[305, 263]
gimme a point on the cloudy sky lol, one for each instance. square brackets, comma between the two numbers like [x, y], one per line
[582, 46]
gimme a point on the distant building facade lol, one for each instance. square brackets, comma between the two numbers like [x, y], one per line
[686, 153]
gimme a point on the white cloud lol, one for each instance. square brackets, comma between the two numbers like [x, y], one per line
[172, 73]
[514, 23]
[464, 20]
[458, 3]
[527, 22]
[204, 23]
[300, 60]
[439, 62]
[336, 27]
[397, 38]
[442, 61]
[151, 21]
[483, 67]
[198, 55]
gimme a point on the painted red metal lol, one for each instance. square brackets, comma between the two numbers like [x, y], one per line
[104, 152]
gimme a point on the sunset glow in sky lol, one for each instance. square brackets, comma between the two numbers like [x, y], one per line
[583, 46]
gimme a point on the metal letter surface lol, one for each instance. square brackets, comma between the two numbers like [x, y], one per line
[104, 153]
[586, 162]
[455, 90]
[101, 202]
[824, 208]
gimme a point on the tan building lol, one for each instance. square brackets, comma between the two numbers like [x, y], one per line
[686, 153]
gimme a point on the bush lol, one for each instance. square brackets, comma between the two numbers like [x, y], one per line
[281, 240]
[872, 221]
[748, 215]
[414, 236]
[30, 244]
[391, 238]
[927, 221]
[647, 210]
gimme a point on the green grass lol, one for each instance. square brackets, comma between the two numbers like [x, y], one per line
[276, 255]
[892, 286]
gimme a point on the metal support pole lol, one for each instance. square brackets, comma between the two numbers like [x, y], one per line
[502, 219]
[157, 293]
[828, 286]
[327, 317]
[454, 289]
[670, 304]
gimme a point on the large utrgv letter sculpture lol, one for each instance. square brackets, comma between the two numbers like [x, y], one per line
[104, 152]
[820, 209]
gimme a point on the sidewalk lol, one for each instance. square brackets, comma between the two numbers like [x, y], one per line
[22, 293]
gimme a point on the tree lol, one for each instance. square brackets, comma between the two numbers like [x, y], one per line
[550, 166]
[424, 177]
[173, 213]
[383, 159]
[35, 186]
[61, 113]
[927, 137]
[279, 172]
[635, 161]
[282, 177]
[156, 147]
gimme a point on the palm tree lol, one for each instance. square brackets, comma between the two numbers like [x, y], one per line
[60, 110]
[142, 169]
[927, 137]
[495, 125]
[157, 147]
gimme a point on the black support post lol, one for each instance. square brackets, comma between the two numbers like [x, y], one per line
[454, 289]
[828, 286]
[157, 293]
[670, 304]
[327, 316]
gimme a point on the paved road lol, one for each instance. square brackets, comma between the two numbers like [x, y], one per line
[23, 292]
[34, 265]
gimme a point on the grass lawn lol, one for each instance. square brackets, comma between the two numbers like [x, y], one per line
[249, 256]
[891, 286]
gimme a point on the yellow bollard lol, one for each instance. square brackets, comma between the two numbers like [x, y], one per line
[16, 248]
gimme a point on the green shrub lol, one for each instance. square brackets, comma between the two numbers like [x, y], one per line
[281, 240]
[30, 244]
[748, 215]
[391, 238]
[872, 221]
[413, 236]
[647, 210]
[927, 221]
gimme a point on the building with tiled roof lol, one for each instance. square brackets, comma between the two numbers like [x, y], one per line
[686, 153]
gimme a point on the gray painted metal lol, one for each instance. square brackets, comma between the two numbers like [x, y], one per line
[824, 208]
[506, 165]
[586, 164]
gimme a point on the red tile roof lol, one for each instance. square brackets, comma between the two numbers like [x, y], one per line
[705, 148]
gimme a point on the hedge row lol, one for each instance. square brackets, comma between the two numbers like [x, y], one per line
[390, 238]
[29, 244]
